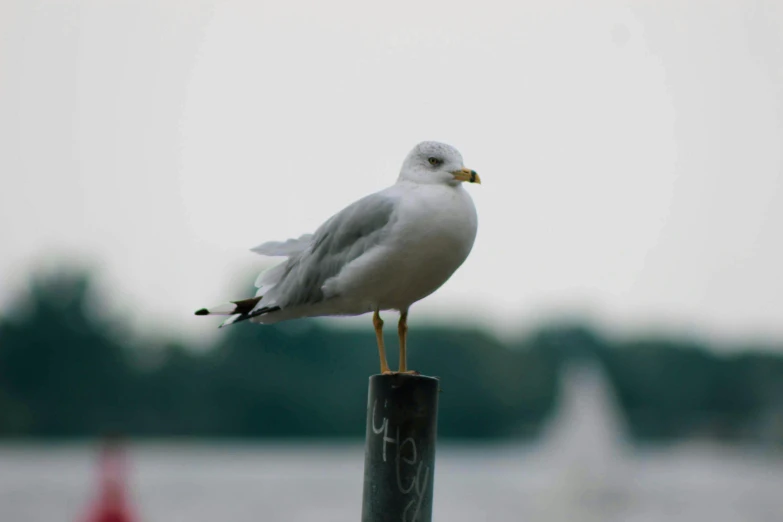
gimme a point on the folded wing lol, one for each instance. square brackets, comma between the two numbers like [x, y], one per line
[342, 239]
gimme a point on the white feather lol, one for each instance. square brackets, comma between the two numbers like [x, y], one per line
[230, 320]
[284, 248]
[223, 309]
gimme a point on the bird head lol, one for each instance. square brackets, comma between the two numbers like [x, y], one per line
[431, 162]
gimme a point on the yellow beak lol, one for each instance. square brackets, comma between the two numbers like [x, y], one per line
[467, 175]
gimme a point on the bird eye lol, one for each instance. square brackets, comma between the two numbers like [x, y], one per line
[434, 161]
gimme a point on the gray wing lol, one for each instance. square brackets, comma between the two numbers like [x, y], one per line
[343, 238]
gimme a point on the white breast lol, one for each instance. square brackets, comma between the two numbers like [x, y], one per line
[432, 235]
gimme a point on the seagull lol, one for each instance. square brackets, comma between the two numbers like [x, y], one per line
[383, 252]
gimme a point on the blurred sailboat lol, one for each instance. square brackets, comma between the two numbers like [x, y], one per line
[587, 431]
[583, 450]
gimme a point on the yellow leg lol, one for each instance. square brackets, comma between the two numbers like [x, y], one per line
[402, 330]
[377, 322]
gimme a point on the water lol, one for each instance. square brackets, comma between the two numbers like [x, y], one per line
[583, 469]
[323, 483]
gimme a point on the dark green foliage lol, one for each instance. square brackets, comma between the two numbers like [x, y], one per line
[63, 373]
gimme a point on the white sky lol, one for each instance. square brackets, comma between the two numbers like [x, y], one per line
[631, 151]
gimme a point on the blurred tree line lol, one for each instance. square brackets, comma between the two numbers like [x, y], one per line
[66, 373]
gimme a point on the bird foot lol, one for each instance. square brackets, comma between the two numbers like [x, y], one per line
[409, 372]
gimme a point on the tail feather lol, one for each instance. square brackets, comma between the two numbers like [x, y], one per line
[244, 317]
[241, 310]
[242, 306]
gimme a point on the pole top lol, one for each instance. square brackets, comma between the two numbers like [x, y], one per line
[401, 378]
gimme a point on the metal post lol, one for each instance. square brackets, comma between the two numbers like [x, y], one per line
[399, 453]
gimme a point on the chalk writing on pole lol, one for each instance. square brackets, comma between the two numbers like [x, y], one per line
[418, 482]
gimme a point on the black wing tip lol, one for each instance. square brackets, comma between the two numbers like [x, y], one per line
[203, 311]
[263, 311]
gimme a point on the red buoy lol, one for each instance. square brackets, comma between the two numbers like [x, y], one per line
[111, 503]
